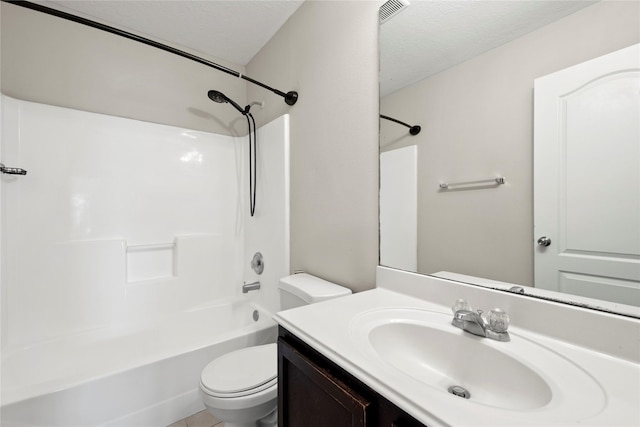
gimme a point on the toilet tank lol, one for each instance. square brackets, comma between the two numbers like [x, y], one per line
[303, 289]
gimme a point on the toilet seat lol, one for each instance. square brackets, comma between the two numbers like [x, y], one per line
[242, 372]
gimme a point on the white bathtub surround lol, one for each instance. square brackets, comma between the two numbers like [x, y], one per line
[267, 231]
[574, 366]
[124, 250]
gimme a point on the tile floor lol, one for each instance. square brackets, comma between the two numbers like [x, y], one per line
[199, 419]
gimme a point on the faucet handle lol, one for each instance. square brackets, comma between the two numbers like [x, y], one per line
[498, 320]
[460, 304]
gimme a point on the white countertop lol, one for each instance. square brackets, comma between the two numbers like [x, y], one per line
[328, 328]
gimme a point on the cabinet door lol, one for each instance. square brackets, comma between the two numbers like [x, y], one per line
[309, 396]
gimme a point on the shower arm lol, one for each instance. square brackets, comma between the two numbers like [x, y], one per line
[413, 130]
[290, 97]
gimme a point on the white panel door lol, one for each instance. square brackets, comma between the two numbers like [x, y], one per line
[587, 178]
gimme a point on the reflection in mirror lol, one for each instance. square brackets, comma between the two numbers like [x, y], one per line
[466, 71]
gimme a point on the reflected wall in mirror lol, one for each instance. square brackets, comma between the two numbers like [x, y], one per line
[465, 71]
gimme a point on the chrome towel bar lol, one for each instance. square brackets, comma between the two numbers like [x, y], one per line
[497, 181]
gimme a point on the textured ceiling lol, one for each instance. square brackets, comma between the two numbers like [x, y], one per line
[423, 39]
[431, 36]
[231, 30]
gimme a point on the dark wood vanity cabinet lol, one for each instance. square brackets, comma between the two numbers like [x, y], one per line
[315, 392]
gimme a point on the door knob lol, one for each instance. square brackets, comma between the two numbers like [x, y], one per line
[544, 241]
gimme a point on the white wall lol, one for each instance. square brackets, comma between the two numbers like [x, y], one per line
[477, 122]
[328, 52]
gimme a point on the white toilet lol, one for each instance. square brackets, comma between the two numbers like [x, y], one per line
[241, 387]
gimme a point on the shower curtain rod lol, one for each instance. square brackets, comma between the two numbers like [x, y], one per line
[413, 130]
[290, 97]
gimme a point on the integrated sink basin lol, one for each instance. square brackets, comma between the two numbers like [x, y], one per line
[489, 375]
[422, 348]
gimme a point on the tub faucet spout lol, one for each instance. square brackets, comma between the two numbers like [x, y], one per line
[250, 287]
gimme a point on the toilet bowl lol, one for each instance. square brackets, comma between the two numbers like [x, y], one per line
[240, 388]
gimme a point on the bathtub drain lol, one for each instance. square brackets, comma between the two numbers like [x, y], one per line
[459, 391]
[256, 315]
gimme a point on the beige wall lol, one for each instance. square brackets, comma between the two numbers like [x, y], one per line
[328, 52]
[53, 61]
[477, 122]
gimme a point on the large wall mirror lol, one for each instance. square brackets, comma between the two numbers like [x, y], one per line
[490, 83]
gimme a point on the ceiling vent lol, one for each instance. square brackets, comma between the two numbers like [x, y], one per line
[391, 8]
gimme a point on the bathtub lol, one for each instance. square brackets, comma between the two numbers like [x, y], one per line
[147, 375]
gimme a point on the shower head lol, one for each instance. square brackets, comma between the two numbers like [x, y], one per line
[216, 96]
[220, 97]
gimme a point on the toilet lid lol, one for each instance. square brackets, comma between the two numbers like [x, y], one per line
[242, 370]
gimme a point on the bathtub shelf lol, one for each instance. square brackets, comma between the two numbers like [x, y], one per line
[151, 247]
[151, 261]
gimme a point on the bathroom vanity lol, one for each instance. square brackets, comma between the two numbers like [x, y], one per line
[315, 392]
[391, 357]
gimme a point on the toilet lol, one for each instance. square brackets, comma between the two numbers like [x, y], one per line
[241, 387]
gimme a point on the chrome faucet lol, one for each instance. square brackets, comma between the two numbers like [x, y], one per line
[473, 322]
[250, 287]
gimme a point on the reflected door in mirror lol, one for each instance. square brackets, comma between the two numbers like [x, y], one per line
[587, 178]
